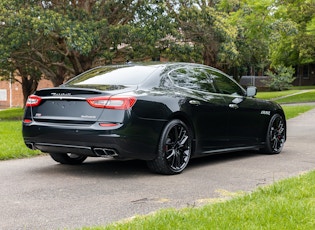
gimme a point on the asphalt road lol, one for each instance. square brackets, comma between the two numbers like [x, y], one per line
[38, 193]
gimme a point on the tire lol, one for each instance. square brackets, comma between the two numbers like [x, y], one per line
[276, 135]
[67, 158]
[174, 149]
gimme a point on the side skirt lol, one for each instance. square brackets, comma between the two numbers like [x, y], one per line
[227, 150]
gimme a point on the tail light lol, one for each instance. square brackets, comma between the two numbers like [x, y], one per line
[33, 101]
[112, 102]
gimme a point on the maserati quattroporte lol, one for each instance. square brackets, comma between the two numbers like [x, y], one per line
[162, 113]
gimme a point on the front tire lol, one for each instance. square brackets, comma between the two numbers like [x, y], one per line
[68, 158]
[276, 135]
[174, 149]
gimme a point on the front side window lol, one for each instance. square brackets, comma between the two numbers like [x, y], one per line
[192, 78]
[225, 85]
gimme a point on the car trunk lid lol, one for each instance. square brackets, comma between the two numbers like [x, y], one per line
[67, 105]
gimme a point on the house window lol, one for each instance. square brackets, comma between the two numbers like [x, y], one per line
[3, 95]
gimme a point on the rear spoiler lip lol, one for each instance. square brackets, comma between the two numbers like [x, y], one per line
[63, 98]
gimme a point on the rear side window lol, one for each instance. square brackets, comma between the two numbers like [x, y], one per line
[127, 75]
[192, 78]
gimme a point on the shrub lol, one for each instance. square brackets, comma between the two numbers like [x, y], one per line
[281, 77]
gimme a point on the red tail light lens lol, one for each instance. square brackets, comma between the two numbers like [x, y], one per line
[112, 102]
[33, 101]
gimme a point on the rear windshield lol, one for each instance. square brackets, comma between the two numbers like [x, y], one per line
[112, 75]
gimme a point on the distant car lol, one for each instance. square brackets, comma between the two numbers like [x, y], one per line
[162, 113]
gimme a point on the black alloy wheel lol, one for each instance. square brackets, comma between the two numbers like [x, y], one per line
[174, 149]
[68, 158]
[276, 135]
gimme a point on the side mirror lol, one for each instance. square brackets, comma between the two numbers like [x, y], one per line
[251, 91]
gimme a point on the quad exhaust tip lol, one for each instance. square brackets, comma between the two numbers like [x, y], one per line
[104, 152]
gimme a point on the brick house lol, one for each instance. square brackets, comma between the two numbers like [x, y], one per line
[11, 95]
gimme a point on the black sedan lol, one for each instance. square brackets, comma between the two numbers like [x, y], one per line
[162, 113]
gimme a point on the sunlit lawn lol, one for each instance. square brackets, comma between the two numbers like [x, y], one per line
[11, 141]
[299, 98]
[275, 94]
[11, 114]
[289, 96]
[293, 111]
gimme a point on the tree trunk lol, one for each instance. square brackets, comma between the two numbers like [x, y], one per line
[29, 86]
[209, 56]
[29, 83]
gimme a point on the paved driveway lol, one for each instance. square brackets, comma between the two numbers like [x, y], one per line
[37, 193]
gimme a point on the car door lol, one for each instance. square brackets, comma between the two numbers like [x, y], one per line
[243, 112]
[205, 106]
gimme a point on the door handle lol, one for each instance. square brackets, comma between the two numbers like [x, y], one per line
[194, 102]
[233, 106]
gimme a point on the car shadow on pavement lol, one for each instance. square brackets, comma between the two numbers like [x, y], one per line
[96, 167]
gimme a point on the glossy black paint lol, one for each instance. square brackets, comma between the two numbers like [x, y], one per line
[219, 120]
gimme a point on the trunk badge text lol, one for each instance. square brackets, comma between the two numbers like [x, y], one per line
[61, 94]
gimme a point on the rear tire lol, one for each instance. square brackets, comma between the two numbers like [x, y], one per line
[67, 158]
[276, 135]
[174, 149]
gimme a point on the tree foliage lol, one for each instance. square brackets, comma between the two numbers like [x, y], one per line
[205, 29]
[293, 42]
[253, 19]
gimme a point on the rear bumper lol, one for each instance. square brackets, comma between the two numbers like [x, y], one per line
[124, 142]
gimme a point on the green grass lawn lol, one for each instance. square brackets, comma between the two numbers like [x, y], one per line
[11, 114]
[289, 96]
[308, 96]
[293, 111]
[11, 141]
[275, 94]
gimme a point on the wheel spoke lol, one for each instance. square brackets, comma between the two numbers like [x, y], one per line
[275, 144]
[171, 155]
[176, 162]
[184, 139]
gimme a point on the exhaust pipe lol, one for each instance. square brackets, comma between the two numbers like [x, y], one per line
[104, 152]
[30, 146]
